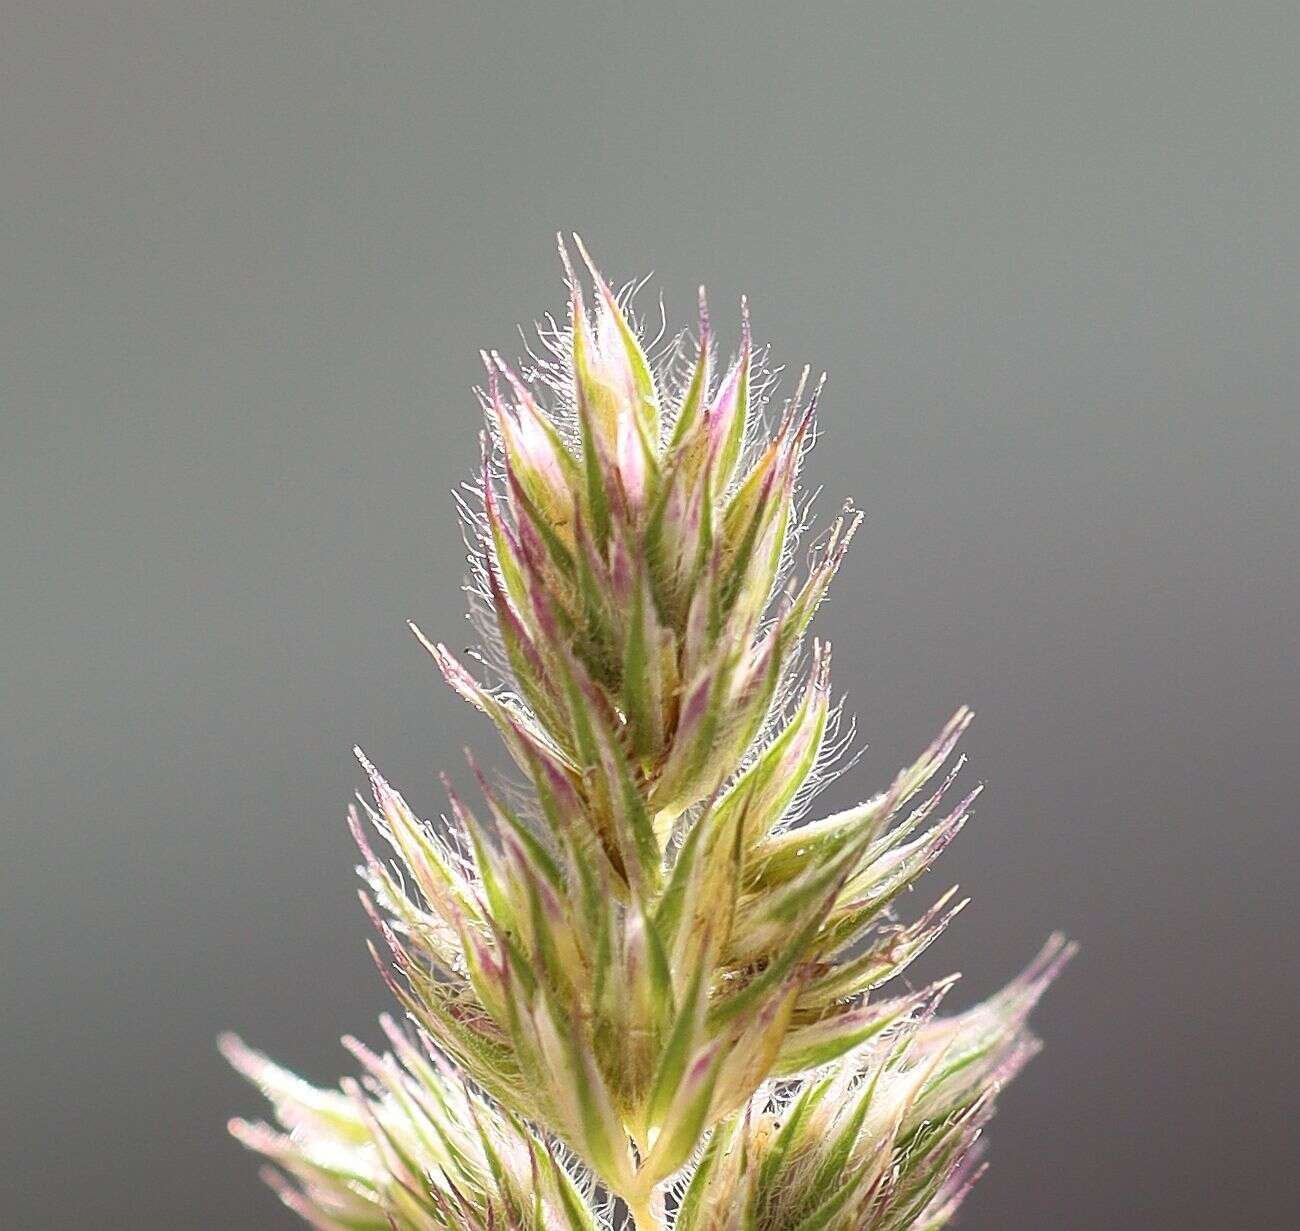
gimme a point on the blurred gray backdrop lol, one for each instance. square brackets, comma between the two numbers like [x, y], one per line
[1048, 254]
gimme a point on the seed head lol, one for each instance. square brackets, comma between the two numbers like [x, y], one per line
[645, 970]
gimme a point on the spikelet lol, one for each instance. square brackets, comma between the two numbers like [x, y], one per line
[649, 971]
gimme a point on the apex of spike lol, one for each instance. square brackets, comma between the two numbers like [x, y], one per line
[646, 955]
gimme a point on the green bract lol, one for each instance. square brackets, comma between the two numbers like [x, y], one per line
[647, 975]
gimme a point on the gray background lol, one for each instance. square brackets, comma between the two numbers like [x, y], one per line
[1048, 253]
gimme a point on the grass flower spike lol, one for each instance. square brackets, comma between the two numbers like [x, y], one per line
[640, 980]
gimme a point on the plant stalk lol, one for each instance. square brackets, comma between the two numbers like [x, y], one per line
[644, 1217]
